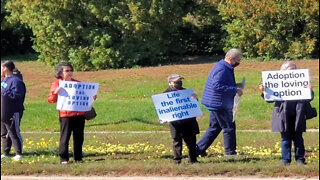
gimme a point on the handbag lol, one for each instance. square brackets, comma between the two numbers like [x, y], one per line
[310, 111]
[89, 115]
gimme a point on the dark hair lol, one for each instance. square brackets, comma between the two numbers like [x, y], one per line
[9, 64]
[59, 69]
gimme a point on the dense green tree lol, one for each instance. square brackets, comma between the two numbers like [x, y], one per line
[272, 28]
[99, 34]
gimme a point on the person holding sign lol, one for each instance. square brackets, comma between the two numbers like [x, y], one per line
[185, 129]
[13, 91]
[218, 98]
[70, 121]
[289, 118]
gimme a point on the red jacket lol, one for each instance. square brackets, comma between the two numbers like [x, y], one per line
[52, 98]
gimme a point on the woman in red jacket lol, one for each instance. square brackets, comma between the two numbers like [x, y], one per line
[70, 121]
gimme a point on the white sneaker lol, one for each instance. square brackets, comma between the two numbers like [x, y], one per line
[17, 157]
[3, 156]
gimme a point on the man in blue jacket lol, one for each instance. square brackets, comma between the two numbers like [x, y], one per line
[13, 92]
[218, 98]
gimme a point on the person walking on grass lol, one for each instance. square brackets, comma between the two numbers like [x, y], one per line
[218, 98]
[13, 91]
[70, 121]
[185, 129]
[289, 118]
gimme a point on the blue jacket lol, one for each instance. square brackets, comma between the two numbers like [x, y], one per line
[220, 87]
[13, 91]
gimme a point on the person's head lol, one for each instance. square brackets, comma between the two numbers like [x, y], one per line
[175, 81]
[64, 70]
[7, 68]
[233, 57]
[288, 65]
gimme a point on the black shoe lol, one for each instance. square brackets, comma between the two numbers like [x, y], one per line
[177, 161]
[194, 162]
[201, 153]
[301, 163]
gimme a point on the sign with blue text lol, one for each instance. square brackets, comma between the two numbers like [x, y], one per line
[176, 105]
[76, 96]
[286, 85]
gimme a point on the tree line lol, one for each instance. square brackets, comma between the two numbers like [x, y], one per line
[102, 34]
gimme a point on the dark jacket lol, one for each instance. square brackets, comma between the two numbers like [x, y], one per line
[183, 127]
[220, 87]
[281, 120]
[13, 91]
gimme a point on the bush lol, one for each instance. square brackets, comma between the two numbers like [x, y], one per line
[272, 28]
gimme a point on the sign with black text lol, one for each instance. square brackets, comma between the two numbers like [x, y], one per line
[286, 85]
[76, 96]
[176, 105]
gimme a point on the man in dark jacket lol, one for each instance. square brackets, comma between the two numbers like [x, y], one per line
[218, 98]
[13, 92]
[185, 129]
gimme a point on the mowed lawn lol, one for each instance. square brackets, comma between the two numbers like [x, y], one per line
[124, 104]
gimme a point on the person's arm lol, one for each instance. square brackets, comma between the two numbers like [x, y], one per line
[219, 84]
[54, 91]
[16, 91]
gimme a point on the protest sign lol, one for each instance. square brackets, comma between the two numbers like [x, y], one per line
[286, 85]
[76, 96]
[176, 105]
[237, 99]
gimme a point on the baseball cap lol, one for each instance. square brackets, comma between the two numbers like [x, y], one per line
[175, 78]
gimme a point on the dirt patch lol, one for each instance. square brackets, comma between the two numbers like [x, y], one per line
[38, 76]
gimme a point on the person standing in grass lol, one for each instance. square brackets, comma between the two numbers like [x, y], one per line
[70, 121]
[185, 129]
[218, 98]
[289, 118]
[13, 91]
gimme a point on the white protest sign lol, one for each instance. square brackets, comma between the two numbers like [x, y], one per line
[237, 99]
[76, 96]
[176, 105]
[286, 85]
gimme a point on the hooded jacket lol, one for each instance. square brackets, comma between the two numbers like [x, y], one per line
[13, 91]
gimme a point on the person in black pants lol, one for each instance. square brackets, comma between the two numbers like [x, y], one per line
[13, 91]
[185, 129]
[70, 121]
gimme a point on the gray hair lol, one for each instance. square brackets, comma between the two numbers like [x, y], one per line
[288, 64]
[233, 53]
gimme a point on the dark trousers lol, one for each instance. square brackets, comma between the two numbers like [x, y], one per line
[177, 143]
[220, 120]
[10, 134]
[286, 143]
[70, 125]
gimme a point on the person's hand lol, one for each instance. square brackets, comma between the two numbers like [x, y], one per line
[95, 97]
[261, 87]
[239, 92]
[194, 96]
[310, 86]
[163, 122]
[58, 89]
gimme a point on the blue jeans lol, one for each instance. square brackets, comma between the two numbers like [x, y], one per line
[286, 143]
[220, 120]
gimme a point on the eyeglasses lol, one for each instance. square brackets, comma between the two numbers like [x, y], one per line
[68, 70]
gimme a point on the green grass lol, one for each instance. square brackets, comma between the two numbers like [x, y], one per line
[124, 104]
[150, 154]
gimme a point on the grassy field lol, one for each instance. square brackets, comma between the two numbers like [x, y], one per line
[124, 97]
[124, 104]
[150, 154]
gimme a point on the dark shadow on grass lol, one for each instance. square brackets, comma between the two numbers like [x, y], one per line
[125, 121]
